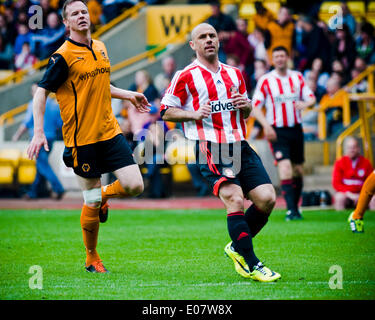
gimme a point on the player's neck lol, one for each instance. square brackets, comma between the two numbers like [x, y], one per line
[213, 65]
[84, 38]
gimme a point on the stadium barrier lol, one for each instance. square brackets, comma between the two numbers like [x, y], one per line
[366, 124]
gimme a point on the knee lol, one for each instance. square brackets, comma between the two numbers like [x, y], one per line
[340, 199]
[232, 199]
[135, 188]
[266, 200]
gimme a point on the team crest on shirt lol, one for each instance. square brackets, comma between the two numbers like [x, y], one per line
[85, 167]
[278, 154]
[233, 89]
[103, 55]
[361, 172]
[228, 173]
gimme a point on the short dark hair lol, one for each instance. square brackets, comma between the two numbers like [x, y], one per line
[68, 2]
[280, 48]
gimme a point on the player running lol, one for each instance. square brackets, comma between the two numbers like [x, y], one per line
[79, 73]
[284, 94]
[210, 99]
[356, 217]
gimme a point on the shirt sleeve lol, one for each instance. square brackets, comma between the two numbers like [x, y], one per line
[259, 96]
[305, 91]
[56, 74]
[176, 94]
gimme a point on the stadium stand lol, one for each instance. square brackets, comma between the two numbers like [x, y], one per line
[127, 60]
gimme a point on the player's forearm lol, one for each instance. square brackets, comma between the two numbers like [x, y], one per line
[39, 108]
[309, 103]
[20, 131]
[258, 115]
[179, 115]
[118, 93]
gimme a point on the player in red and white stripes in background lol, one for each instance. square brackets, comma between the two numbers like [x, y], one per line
[284, 94]
[210, 100]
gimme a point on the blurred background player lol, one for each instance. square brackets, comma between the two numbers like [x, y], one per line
[284, 94]
[349, 175]
[365, 200]
[210, 98]
[92, 146]
[52, 130]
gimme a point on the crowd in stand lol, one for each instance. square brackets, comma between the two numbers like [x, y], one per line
[23, 42]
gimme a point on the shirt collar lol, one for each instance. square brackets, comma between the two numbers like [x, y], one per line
[80, 44]
[196, 61]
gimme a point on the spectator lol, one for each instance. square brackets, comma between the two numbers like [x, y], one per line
[310, 117]
[260, 68]
[234, 61]
[365, 44]
[4, 31]
[25, 59]
[359, 67]
[48, 40]
[360, 64]
[359, 87]
[239, 46]
[262, 17]
[223, 24]
[280, 32]
[52, 124]
[143, 83]
[22, 18]
[299, 46]
[316, 43]
[11, 24]
[257, 40]
[24, 35]
[317, 68]
[344, 48]
[95, 11]
[313, 83]
[348, 18]
[349, 174]
[334, 113]
[163, 79]
[154, 161]
[6, 55]
[45, 4]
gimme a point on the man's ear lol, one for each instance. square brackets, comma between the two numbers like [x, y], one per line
[191, 44]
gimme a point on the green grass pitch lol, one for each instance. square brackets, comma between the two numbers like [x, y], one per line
[178, 254]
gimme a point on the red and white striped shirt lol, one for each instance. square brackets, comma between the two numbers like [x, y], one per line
[195, 85]
[279, 95]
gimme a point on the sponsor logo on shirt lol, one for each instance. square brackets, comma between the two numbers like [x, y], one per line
[222, 106]
[94, 73]
[282, 98]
